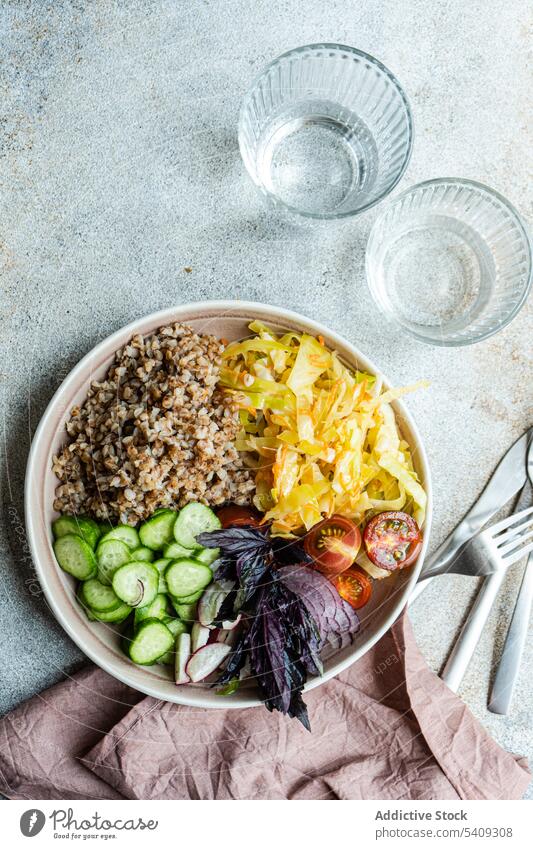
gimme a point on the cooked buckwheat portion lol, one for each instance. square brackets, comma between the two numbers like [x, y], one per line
[156, 432]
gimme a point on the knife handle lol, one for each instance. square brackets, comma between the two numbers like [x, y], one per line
[465, 645]
[509, 666]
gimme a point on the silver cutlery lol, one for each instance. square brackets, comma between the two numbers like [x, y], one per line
[507, 479]
[501, 545]
[509, 665]
[475, 555]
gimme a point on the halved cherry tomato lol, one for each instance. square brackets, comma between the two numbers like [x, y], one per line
[333, 544]
[234, 516]
[392, 540]
[354, 587]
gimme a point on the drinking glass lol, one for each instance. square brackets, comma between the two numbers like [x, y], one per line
[449, 261]
[325, 131]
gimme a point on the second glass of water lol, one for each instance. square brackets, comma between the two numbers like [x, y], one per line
[325, 131]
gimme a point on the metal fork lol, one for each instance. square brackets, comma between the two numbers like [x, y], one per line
[503, 544]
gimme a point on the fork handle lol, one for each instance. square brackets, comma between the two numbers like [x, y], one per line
[466, 643]
[509, 666]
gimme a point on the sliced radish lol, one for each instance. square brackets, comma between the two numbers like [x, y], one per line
[230, 624]
[229, 638]
[183, 654]
[211, 601]
[204, 661]
[199, 636]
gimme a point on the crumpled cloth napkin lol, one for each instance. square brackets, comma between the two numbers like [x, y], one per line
[387, 728]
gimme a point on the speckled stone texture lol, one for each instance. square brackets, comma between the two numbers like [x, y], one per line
[119, 169]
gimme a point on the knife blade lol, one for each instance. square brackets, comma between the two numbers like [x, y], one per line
[507, 479]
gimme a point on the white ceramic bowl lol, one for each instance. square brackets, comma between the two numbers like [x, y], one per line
[228, 319]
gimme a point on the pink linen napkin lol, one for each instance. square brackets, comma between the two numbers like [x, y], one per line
[387, 728]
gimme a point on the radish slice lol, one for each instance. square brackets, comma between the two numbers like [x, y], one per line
[230, 624]
[183, 654]
[199, 636]
[203, 662]
[227, 637]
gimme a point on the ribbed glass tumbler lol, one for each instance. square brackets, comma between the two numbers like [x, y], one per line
[449, 261]
[325, 131]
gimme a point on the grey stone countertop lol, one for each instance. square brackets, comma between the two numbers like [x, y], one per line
[119, 169]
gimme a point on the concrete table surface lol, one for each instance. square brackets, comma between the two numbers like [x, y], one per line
[119, 170]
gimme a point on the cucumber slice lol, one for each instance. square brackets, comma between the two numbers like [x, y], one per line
[99, 597]
[186, 576]
[75, 556]
[152, 640]
[125, 533]
[157, 609]
[80, 526]
[192, 520]
[157, 531]
[174, 550]
[190, 599]
[136, 583]
[111, 554]
[176, 627]
[161, 565]
[143, 554]
[186, 612]
[207, 555]
[119, 614]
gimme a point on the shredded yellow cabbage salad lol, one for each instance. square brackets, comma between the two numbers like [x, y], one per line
[322, 439]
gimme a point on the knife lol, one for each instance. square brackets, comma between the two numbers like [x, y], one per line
[507, 479]
[509, 665]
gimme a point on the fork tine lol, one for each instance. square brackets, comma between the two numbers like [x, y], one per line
[514, 556]
[516, 542]
[509, 521]
[514, 533]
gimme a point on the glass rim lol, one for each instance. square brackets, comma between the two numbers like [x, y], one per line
[526, 240]
[326, 45]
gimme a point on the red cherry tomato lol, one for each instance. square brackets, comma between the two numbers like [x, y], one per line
[392, 540]
[234, 516]
[333, 544]
[354, 586]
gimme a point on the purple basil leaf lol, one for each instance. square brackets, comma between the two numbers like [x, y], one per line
[287, 552]
[336, 619]
[235, 541]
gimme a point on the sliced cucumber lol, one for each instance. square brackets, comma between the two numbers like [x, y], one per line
[207, 555]
[119, 614]
[136, 583]
[174, 550]
[186, 612]
[143, 553]
[157, 531]
[75, 556]
[152, 640]
[161, 565]
[80, 526]
[190, 599]
[111, 554]
[176, 627]
[186, 576]
[126, 534]
[157, 609]
[192, 520]
[98, 596]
